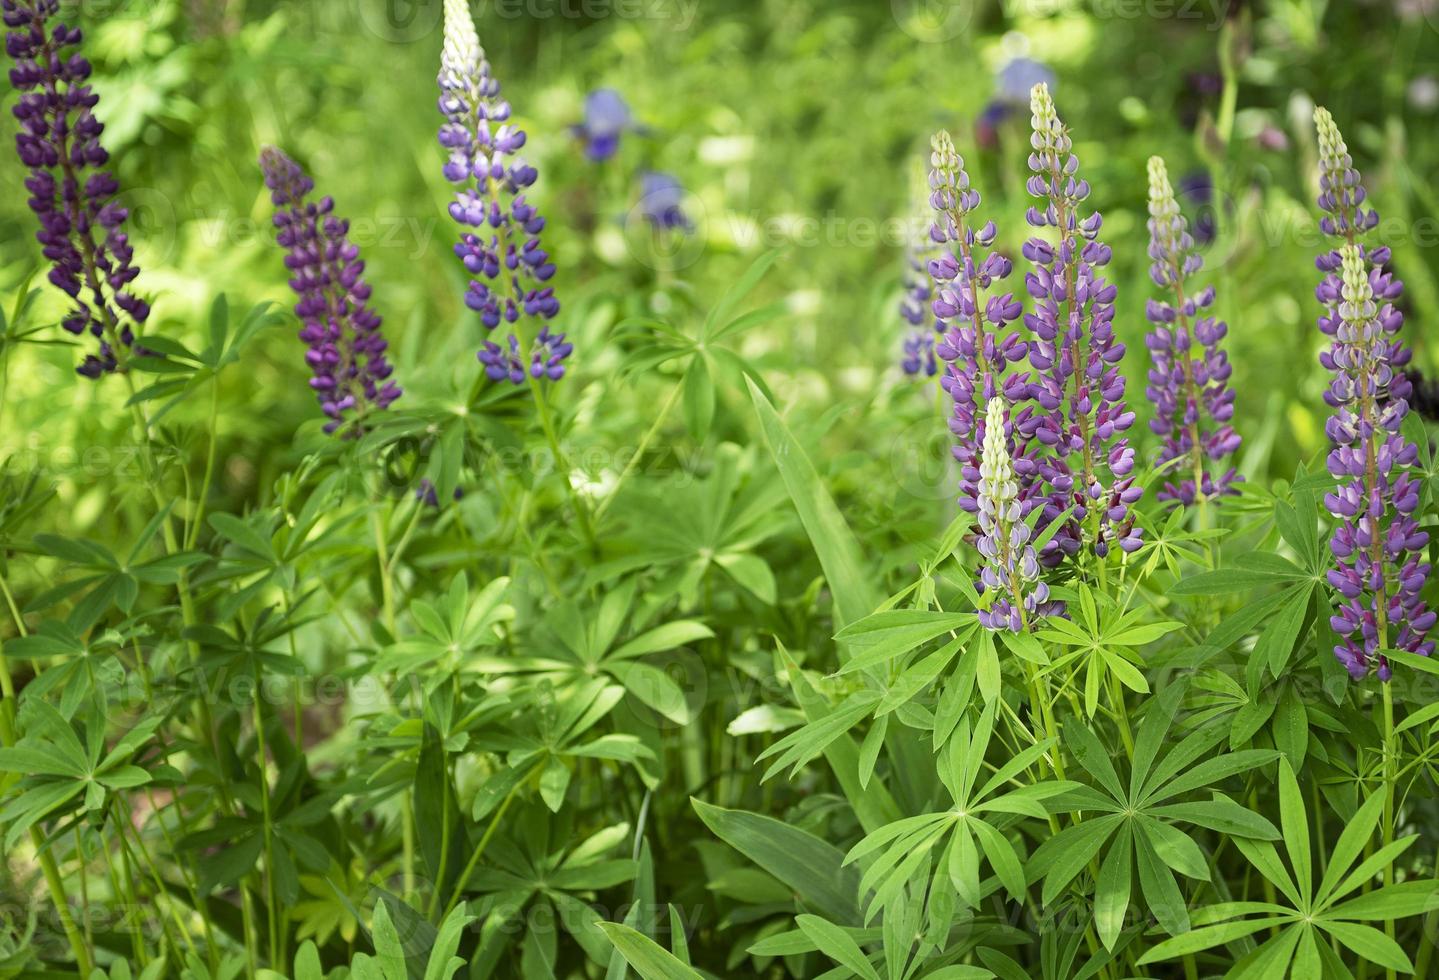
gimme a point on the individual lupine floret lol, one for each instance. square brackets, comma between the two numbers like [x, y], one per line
[1377, 544]
[1193, 403]
[1080, 416]
[347, 351]
[82, 224]
[500, 246]
[1011, 570]
[974, 345]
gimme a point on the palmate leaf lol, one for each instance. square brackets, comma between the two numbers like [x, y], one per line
[1299, 949]
[1136, 826]
[974, 825]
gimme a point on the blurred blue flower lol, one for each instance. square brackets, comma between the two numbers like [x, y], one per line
[607, 118]
[662, 199]
[1197, 188]
[1018, 77]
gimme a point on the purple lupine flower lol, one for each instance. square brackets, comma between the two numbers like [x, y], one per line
[974, 345]
[346, 348]
[1377, 544]
[1011, 571]
[82, 225]
[1189, 388]
[662, 201]
[500, 246]
[546, 360]
[607, 118]
[919, 354]
[919, 339]
[1013, 83]
[1197, 187]
[1016, 80]
[1077, 424]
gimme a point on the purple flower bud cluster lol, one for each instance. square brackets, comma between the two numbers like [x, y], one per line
[501, 245]
[547, 358]
[1075, 426]
[1189, 373]
[346, 348]
[1011, 571]
[918, 356]
[81, 223]
[1377, 543]
[975, 345]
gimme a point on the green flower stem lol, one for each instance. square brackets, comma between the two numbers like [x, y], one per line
[193, 534]
[474, 860]
[125, 829]
[120, 891]
[649, 436]
[1391, 790]
[272, 897]
[582, 512]
[387, 599]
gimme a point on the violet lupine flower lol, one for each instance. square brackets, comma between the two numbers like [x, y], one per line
[919, 354]
[1189, 388]
[346, 348]
[1377, 545]
[918, 351]
[662, 201]
[81, 223]
[547, 358]
[1011, 571]
[1077, 423]
[974, 346]
[607, 118]
[501, 245]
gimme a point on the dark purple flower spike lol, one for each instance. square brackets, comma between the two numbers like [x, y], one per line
[1189, 375]
[82, 225]
[1377, 543]
[346, 348]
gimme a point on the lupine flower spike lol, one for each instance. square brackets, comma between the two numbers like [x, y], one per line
[82, 225]
[346, 348]
[1080, 416]
[1189, 376]
[1011, 571]
[500, 245]
[1377, 544]
[975, 346]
